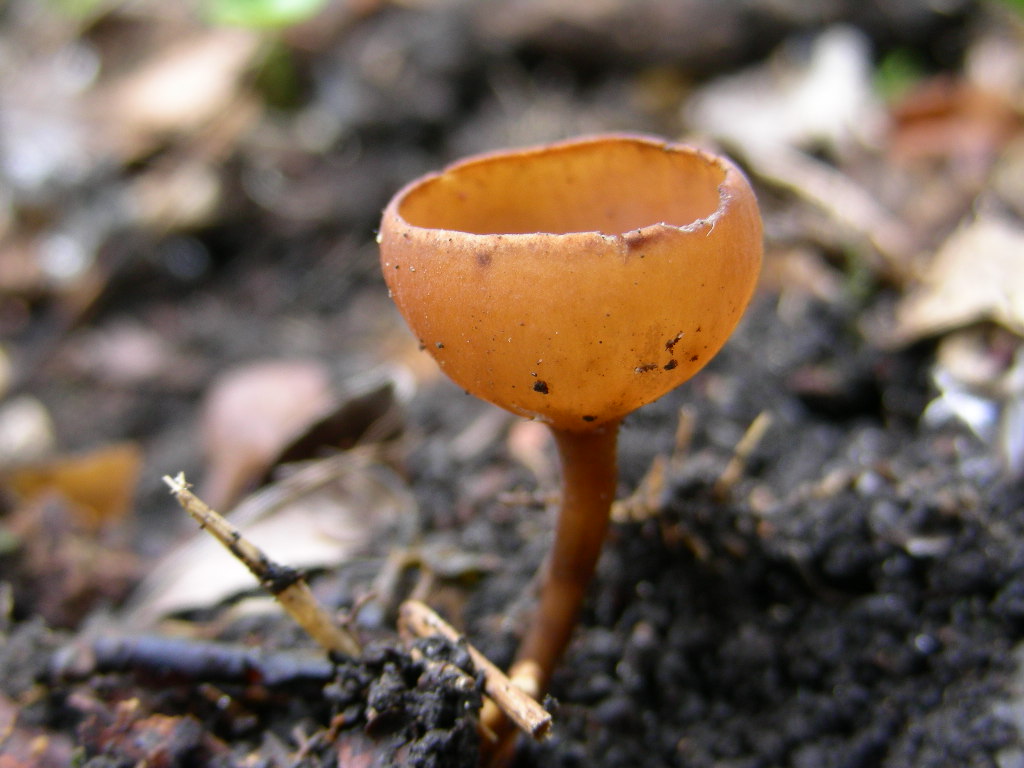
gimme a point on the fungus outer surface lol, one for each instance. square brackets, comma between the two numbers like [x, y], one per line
[612, 268]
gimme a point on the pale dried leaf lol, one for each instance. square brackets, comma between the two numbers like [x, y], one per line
[824, 98]
[978, 274]
[324, 514]
[182, 88]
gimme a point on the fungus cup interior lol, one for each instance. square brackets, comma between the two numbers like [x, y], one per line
[575, 282]
[599, 186]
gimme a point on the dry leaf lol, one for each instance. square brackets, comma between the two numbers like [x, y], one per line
[98, 486]
[773, 113]
[954, 119]
[179, 90]
[280, 412]
[529, 443]
[978, 274]
[323, 514]
[251, 413]
[823, 98]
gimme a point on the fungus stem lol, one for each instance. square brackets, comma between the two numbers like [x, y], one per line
[589, 475]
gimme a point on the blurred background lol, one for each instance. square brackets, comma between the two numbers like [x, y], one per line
[183, 188]
[188, 190]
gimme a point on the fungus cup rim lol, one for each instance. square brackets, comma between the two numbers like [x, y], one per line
[732, 179]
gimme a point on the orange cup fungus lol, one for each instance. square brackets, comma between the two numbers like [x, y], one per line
[573, 283]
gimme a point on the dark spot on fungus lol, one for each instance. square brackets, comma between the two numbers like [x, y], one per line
[670, 365]
[483, 259]
[590, 418]
[439, 345]
[645, 368]
[695, 358]
[540, 386]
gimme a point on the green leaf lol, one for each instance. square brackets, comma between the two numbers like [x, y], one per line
[261, 14]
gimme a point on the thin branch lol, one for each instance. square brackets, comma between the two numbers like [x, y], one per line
[520, 708]
[181, 657]
[284, 583]
[738, 463]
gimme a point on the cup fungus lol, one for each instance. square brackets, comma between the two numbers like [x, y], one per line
[573, 283]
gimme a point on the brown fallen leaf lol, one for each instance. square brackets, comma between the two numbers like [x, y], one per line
[250, 414]
[267, 413]
[957, 119]
[98, 486]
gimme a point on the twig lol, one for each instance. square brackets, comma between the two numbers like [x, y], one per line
[737, 464]
[194, 659]
[520, 708]
[645, 502]
[284, 583]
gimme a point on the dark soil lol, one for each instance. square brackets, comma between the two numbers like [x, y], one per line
[855, 598]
